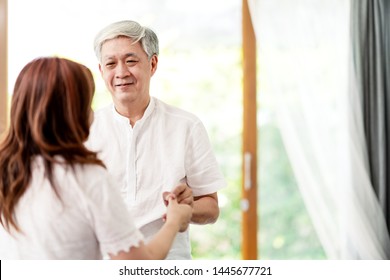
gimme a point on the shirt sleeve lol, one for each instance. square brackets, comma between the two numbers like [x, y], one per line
[202, 170]
[114, 227]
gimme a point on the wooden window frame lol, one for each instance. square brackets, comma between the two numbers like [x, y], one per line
[249, 139]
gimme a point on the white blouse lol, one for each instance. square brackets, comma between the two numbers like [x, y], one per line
[87, 220]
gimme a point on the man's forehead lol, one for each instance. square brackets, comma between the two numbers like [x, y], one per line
[113, 48]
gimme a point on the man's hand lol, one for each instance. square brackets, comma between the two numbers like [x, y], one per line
[205, 209]
[183, 195]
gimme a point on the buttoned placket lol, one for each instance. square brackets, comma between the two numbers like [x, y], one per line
[131, 165]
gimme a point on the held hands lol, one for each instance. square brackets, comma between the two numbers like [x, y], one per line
[178, 213]
[183, 196]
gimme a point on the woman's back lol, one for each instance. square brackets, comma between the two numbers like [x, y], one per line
[87, 212]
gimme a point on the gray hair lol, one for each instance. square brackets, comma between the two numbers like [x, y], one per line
[132, 30]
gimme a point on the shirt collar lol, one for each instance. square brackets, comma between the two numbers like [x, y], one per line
[149, 110]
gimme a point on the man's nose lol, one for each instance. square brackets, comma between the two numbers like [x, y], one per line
[122, 70]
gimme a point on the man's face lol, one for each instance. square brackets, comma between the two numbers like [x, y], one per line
[126, 71]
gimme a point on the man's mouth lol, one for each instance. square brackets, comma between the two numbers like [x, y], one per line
[123, 84]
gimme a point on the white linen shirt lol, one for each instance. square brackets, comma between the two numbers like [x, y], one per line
[87, 221]
[165, 147]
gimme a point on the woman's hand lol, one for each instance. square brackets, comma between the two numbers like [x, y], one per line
[178, 213]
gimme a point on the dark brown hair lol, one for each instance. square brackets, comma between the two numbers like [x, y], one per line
[50, 116]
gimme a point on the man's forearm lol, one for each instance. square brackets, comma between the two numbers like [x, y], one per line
[206, 210]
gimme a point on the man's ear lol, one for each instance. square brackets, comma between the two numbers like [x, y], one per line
[100, 69]
[153, 64]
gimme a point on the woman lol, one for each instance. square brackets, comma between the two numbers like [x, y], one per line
[56, 199]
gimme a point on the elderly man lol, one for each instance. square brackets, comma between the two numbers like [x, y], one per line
[151, 148]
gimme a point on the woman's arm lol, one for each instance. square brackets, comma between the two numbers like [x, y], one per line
[159, 246]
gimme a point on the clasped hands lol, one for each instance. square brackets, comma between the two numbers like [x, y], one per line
[183, 195]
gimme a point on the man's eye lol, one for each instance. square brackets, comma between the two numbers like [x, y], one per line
[109, 63]
[131, 61]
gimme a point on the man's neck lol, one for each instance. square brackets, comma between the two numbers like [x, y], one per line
[133, 111]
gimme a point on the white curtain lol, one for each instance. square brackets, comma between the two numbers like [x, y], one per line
[304, 68]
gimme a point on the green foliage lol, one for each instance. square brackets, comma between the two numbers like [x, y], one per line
[222, 239]
[286, 231]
